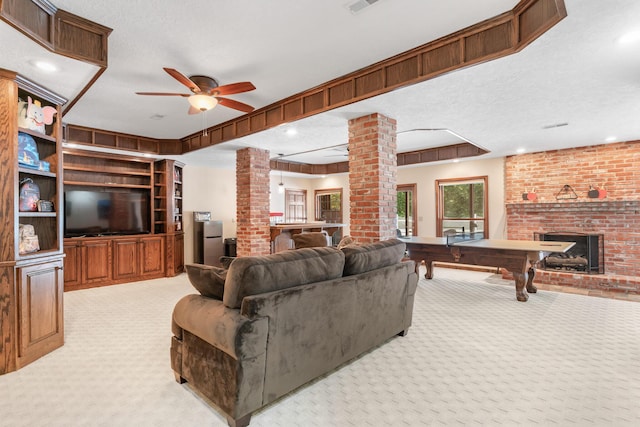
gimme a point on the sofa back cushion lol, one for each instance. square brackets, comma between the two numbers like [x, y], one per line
[254, 275]
[371, 256]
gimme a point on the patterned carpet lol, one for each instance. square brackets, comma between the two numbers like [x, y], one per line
[473, 356]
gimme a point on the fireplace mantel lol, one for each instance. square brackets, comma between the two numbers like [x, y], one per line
[613, 206]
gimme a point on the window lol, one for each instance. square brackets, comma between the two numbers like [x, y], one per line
[295, 202]
[329, 205]
[406, 224]
[329, 208]
[462, 205]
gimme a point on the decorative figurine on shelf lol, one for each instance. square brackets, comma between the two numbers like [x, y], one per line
[32, 115]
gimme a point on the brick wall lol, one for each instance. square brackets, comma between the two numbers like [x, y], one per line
[372, 178]
[614, 167]
[252, 202]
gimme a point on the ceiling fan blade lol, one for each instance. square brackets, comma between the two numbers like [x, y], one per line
[163, 94]
[233, 88]
[235, 105]
[194, 110]
[182, 79]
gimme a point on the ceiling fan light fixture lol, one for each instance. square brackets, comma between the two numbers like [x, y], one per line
[203, 102]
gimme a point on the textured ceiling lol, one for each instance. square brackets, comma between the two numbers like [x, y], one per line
[576, 73]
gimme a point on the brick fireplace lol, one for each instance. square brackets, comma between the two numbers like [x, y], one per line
[615, 217]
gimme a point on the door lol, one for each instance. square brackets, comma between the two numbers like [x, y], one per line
[407, 215]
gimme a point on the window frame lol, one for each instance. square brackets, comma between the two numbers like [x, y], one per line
[457, 181]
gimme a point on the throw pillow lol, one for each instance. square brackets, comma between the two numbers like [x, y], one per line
[310, 240]
[346, 241]
[208, 280]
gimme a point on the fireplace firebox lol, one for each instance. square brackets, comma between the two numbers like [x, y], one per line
[587, 256]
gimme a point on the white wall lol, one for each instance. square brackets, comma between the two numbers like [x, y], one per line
[209, 190]
[214, 190]
[426, 176]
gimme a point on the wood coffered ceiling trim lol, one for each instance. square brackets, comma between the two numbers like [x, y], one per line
[494, 38]
[60, 32]
[450, 152]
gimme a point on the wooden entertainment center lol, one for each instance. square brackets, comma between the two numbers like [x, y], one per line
[33, 277]
[99, 260]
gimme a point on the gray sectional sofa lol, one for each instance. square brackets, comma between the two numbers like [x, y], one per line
[286, 319]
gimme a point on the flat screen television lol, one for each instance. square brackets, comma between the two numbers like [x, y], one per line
[105, 212]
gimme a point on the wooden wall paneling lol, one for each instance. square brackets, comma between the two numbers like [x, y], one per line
[534, 18]
[8, 316]
[489, 42]
[313, 102]
[80, 38]
[147, 145]
[257, 121]
[369, 83]
[484, 41]
[33, 18]
[403, 71]
[243, 126]
[105, 139]
[442, 58]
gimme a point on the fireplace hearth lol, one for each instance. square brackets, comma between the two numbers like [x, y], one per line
[587, 256]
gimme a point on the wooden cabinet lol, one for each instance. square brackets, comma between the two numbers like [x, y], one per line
[95, 265]
[167, 201]
[152, 259]
[108, 260]
[41, 326]
[31, 322]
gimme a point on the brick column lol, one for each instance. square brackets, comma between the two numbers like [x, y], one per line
[373, 171]
[252, 202]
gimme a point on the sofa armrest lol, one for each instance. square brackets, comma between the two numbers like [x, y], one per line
[222, 327]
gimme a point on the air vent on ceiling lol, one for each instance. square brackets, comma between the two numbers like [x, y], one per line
[359, 5]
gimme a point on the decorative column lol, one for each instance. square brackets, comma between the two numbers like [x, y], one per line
[252, 202]
[373, 171]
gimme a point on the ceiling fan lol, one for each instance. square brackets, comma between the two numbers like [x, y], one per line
[205, 92]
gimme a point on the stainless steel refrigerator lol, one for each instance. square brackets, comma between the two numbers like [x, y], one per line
[208, 243]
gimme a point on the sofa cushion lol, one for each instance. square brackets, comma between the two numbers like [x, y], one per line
[208, 280]
[315, 239]
[371, 256]
[254, 275]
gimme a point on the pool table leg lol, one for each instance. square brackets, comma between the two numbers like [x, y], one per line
[530, 286]
[525, 280]
[521, 278]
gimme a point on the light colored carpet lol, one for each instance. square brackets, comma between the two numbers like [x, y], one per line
[473, 356]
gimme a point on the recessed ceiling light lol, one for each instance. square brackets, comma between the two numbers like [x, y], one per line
[630, 37]
[521, 150]
[45, 66]
[456, 160]
[291, 131]
[610, 139]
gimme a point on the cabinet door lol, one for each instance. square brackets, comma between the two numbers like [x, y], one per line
[179, 253]
[152, 256]
[72, 275]
[125, 254]
[40, 309]
[96, 261]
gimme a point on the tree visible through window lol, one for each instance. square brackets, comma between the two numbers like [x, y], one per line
[462, 206]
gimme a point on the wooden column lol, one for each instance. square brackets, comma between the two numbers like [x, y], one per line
[252, 202]
[372, 178]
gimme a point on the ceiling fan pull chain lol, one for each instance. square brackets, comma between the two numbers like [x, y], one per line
[204, 123]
